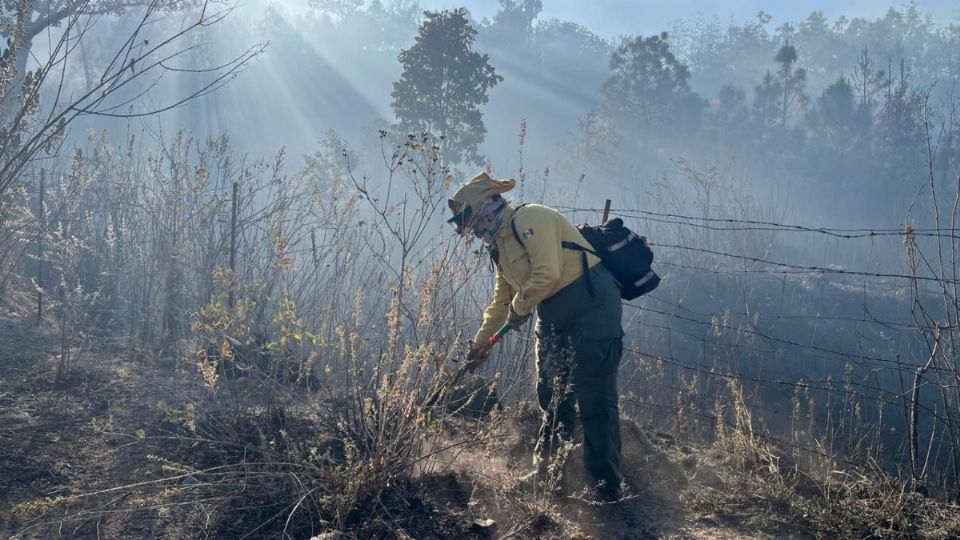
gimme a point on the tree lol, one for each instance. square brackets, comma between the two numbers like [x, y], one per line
[517, 15]
[31, 126]
[822, 47]
[443, 84]
[598, 140]
[868, 79]
[387, 28]
[727, 119]
[341, 9]
[766, 105]
[649, 90]
[512, 30]
[899, 125]
[22, 22]
[836, 120]
[792, 81]
[722, 53]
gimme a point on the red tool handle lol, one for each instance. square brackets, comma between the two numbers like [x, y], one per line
[498, 337]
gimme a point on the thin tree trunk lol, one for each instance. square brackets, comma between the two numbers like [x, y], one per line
[915, 409]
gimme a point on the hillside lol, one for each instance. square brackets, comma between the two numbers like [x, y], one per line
[134, 446]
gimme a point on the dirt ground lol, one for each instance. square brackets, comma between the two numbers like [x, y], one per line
[676, 491]
[77, 452]
[71, 436]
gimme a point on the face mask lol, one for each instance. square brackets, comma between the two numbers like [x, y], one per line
[494, 218]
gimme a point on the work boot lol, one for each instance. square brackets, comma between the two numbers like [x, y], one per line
[603, 494]
[607, 493]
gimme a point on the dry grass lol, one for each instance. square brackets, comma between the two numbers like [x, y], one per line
[126, 448]
[284, 397]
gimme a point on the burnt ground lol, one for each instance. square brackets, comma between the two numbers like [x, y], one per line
[111, 450]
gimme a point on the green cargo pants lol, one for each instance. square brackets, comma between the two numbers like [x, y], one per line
[579, 346]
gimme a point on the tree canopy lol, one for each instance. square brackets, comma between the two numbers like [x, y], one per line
[443, 84]
[648, 92]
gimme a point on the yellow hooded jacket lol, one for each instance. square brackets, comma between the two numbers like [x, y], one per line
[530, 273]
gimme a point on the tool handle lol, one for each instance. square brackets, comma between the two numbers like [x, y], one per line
[464, 366]
[498, 337]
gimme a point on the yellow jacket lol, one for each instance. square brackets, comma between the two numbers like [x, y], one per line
[530, 273]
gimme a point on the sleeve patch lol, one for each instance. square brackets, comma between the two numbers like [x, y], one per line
[527, 234]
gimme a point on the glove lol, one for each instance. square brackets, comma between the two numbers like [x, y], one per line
[517, 321]
[477, 354]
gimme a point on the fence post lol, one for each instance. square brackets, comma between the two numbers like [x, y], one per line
[42, 214]
[606, 211]
[233, 245]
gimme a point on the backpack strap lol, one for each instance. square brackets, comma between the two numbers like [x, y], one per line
[577, 247]
[494, 252]
[513, 226]
[586, 270]
[583, 261]
[494, 258]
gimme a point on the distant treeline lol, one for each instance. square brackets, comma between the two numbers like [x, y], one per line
[838, 110]
[839, 113]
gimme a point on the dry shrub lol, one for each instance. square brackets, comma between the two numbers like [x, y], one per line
[867, 502]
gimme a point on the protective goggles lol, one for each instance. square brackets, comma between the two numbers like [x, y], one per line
[461, 219]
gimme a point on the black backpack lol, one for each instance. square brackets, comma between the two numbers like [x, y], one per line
[625, 254]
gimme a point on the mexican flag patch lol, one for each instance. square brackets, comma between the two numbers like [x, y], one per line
[528, 233]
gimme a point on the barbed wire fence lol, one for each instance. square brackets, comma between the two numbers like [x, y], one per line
[846, 362]
[851, 363]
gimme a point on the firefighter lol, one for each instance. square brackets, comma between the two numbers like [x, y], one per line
[578, 327]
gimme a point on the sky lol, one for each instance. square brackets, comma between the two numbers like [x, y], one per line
[611, 18]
